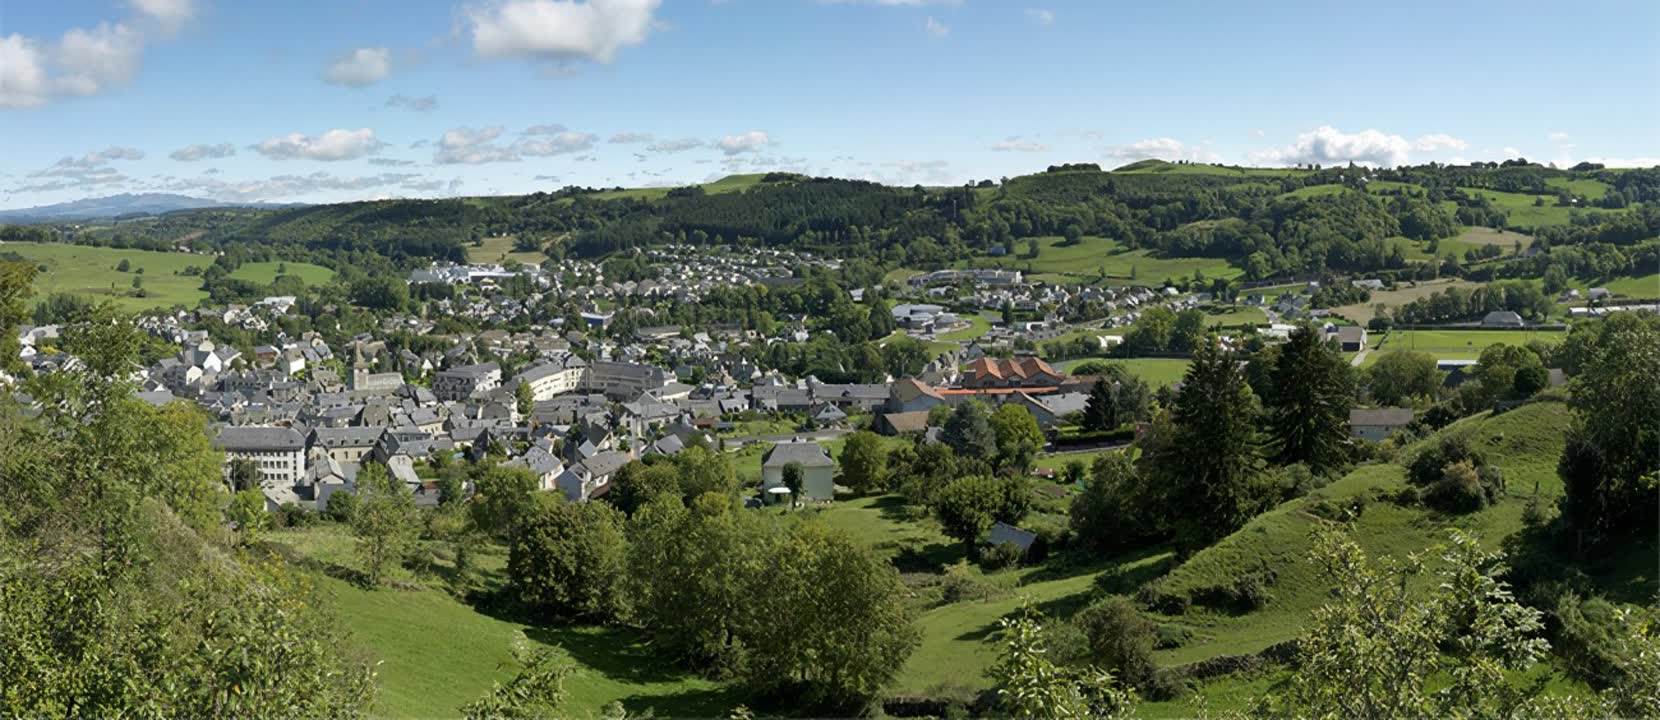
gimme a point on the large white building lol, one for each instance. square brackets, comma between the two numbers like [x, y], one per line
[551, 379]
[466, 381]
[278, 451]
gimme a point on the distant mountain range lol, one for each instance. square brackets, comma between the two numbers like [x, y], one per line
[119, 205]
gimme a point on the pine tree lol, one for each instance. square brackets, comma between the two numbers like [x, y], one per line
[1209, 467]
[1308, 410]
[1100, 412]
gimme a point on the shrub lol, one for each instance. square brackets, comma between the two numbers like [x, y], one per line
[1430, 465]
[1587, 636]
[289, 515]
[342, 506]
[963, 583]
[1120, 640]
[1335, 510]
[1001, 556]
[1250, 591]
[1172, 636]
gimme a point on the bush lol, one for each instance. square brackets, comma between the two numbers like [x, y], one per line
[1465, 488]
[1430, 465]
[1587, 637]
[1335, 510]
[963, 583]
[1001, 556]
[342, 506]
[290, 515]
[1172, 636]
[1120, 640]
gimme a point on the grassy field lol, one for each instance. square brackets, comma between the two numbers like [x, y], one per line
[1095, 257]
[1158, 372]
[1160, 167]
[1593, 189]
[499, 249]
[1521, 209]
[1646, 286]
[1236, 315]
[90, 271]
[1402, 294]
[1456, 344]
[977, 326]
[437, 653]
[264, 272]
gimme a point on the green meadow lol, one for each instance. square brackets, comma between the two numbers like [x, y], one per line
[90, 272]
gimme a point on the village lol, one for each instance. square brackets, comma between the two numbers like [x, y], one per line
[579, 402]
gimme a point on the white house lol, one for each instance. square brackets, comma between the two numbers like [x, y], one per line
[818, 471]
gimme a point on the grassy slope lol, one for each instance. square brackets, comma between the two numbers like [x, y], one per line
[438, 653]
[90, 271]
[1094, 255]
[1456, 344]
[497, 249]
[977, 326]
[1156, 372]
[1403, 294]
[264, 272]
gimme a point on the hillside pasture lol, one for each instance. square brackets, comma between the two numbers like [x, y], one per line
[1453, 344]
[1094, 257]
[1361, 313]
[90, 272]
[499, 249]
[1593, 189]
[1156, 372]
[263, 273]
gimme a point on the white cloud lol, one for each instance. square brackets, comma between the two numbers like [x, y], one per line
[91, 169]
[551, 129]
[1161, 148]
[1559, 137]
[674, 146]
[1438, 142]
[560, 143]
[560, 29]
[893, 3]
[912, 172]
[468, 146]
[752, 141]
[359, 68]
[390, 162]
[330, 146]
[935, 27]
[294, 186]
[418, 104]
[1040, 16]
[168, 15]
[82, 61]
[23, 80]
[1015, 144]
[631, 138]
[1327, 145]
[192, 153]
[1630, 162]
[93, 60]
[1510, 152]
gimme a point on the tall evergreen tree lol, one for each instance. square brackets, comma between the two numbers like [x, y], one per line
[1216, 453]
[1308, 411]
[1100, 412]
[969, 431]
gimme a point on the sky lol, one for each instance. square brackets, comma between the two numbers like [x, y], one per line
[333, 100]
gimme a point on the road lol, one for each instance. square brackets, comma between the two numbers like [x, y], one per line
[1360, 357]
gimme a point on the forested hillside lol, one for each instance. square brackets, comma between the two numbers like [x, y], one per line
[1267, 223]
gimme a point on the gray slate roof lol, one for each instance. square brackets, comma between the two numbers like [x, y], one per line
[258, 439]
[801, 452]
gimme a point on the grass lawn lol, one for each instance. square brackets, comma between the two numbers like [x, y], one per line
[1402, 294]
[1158, 372]
[977, 326]
[1236, 315]
[880, 522]
[264, 272]
[1456, 344]
[1521, 209]
[1094, 256]
[90, 271]
[1646, 286]
[500, 249]
[1593, 189]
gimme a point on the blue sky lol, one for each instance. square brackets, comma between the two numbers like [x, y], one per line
[308, 100]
